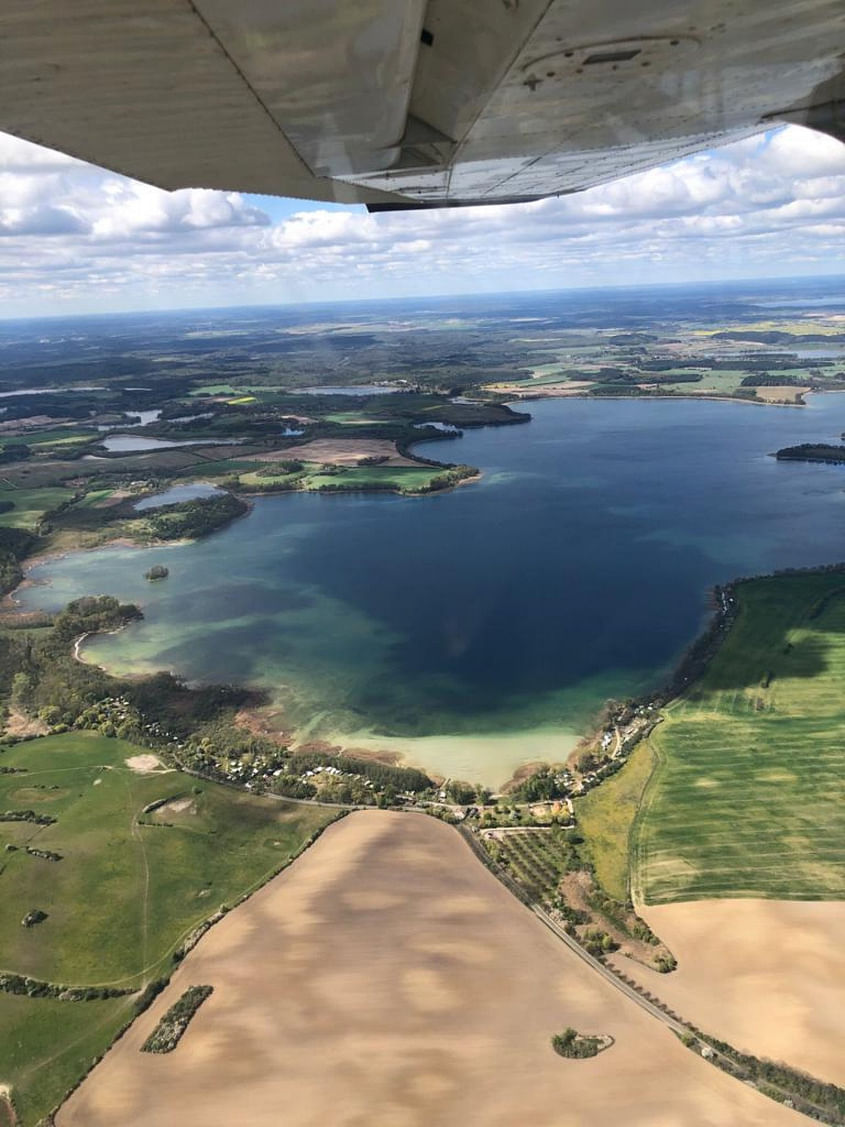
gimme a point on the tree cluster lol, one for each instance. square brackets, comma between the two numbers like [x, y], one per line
[15, 545]
[543, 786]
[188, 520]
[576, 1045]
[381, 774]
[167, 1034]
[35, 988]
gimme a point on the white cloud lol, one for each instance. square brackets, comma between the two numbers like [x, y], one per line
[17, 155]
[75, 237]
[140, 210]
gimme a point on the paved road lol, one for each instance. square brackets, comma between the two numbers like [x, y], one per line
[576, 948]
[718, 1058]
[608, 975]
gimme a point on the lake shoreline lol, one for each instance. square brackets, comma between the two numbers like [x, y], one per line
[550, 704]
[248, 498]
[538, 396]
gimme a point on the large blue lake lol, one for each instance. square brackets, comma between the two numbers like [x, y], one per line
[482, 628]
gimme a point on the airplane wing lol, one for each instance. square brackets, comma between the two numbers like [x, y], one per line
[399, 103]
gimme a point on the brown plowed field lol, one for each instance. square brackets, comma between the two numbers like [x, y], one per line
[766, 975]
[386, 979]
[341, 452]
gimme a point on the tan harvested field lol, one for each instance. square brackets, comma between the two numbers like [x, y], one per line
[20, 426]
[341, 451]
[778, 393]
[523, 389]
[766, 975]
[386, 979]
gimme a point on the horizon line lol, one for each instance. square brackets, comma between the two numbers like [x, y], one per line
[357, 301]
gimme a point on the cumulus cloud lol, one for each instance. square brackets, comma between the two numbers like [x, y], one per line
[75, 237]
[139, 210]
[47, 193]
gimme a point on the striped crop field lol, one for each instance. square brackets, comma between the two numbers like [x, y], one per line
[748, 796]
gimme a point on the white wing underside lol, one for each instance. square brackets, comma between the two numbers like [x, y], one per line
[403, 102]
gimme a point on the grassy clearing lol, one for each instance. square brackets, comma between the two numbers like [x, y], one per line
[665, 373]
[94, 498]
[129, 888]
[216, 389]
[31, 505]
[409, 478]
[711, 383]
[224, 467]
[350, 418]
[748, 797]
[605, 816]
[262, 479]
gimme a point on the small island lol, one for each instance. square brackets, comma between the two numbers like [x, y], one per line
[812, 452]
[578, 1046]
[156, 572]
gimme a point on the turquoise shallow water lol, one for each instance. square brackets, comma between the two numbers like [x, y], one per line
[576, 569]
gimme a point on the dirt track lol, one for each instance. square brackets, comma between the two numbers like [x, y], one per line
[388, 980]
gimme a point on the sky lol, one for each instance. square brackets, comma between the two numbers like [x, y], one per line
[78, 239]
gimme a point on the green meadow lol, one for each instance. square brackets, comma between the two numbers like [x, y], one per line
[342, 478]
[60, 436]
[379, 477]
[605, 816]
[47, 1046]
[748, 795]
[130, 886]
[30, 505]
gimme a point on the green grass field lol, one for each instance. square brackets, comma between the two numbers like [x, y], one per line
[60, 436]
[353, 419]
[748, 797]
[46, 1045]
[31, 505]
[266, 480]
[94, 498]
[221, 467]
[351, 477]
[712, 383]
[125, 893]
[361, 477]
[605, 816]
[216, 389]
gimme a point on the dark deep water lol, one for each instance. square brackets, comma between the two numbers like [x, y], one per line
[576, 569]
